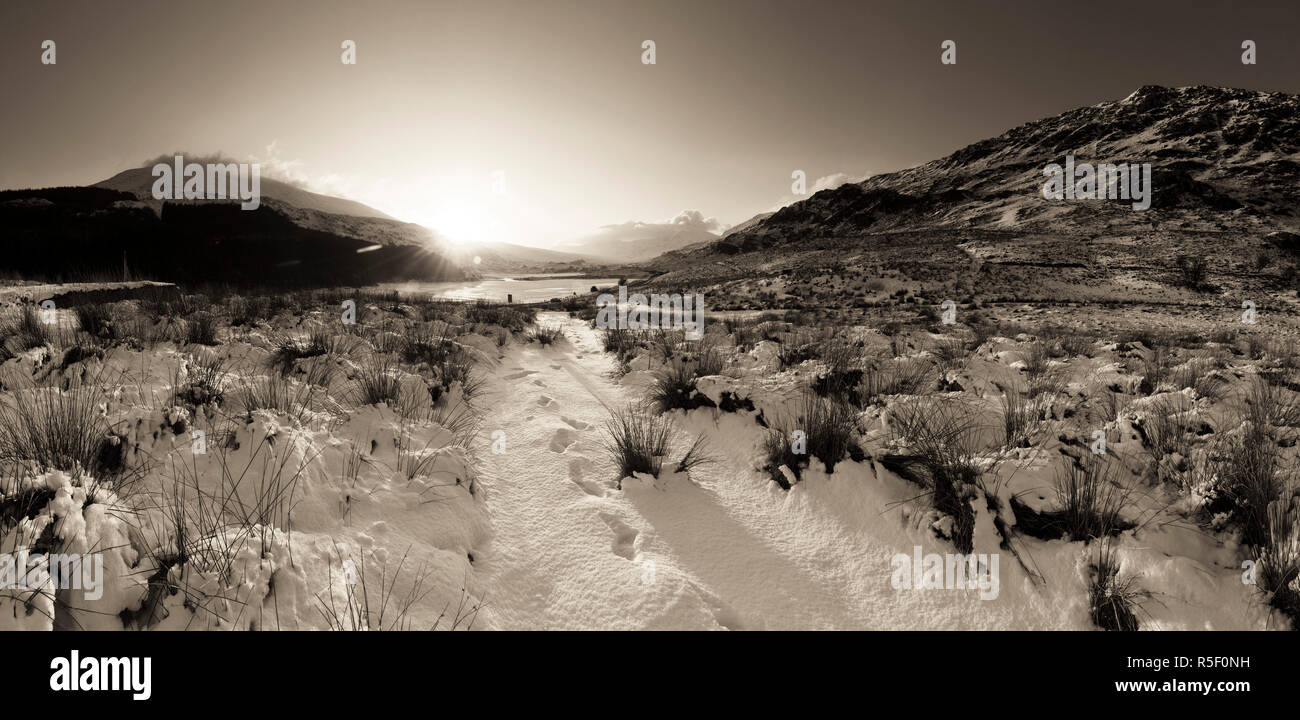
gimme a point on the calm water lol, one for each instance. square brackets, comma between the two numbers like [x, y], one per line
[536, 289]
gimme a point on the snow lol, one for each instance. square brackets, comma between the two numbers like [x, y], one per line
[726, 548]
[544, 534]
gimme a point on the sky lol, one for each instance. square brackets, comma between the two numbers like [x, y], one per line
[537, 122]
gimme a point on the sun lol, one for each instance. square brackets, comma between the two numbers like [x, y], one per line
[464, 223]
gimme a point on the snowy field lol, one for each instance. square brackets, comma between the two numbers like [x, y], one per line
[236, 465]
[724, 547]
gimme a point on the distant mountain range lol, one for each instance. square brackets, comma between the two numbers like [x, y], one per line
[634, 241]
[509, 257]
[295, 237]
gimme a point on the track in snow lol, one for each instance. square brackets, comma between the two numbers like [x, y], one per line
[727, 549]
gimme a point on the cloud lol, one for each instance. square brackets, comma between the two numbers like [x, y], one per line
[689, 220]
[695, 218]
[636, 239]
[825, 182]
[830, 182]
[291, 171]
[274, 166]
[200, 158]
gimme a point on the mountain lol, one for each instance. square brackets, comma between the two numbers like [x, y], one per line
[1212, 151]
[1225, 172]
[139, 182]
[508, 257]
[747, 224]
[635, 240]
[294, 237]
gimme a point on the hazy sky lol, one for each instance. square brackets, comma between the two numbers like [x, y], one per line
[555, 95]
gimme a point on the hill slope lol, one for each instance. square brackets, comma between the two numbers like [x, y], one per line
[1225, 168]
[1213, 151]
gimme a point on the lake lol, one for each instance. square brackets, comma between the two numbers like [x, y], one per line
[536, 288]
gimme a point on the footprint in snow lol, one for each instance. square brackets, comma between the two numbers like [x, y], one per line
[624, 536]
[576, 468]
[575, 424]
[563, 439]
[544, 401]
[522, 374]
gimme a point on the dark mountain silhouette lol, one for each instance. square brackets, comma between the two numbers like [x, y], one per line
[92, 232]
[139, 182]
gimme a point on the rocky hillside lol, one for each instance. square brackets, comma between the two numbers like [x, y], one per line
[1219, 157]
[1225, 172]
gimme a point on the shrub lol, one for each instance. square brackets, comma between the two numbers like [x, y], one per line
[1112, 600]
[1279, 560]
[1020, 419]
[373, 603]
[80, 352]
[696, 455]
[197, 528]
[673, 386]
[95, 320]
[510, 317]
[447, 360]
[638, 441]
[140, 331]
[1192, 271]
[665, 342]
[206, 380]
[840, 357]
[944, 440]
[28, 331]
[1076, 344]
[277, 393]
[1090, 499]
[1164, 430]
[827, 427]
[57, 429]
[1042, 376]
[546, 335]
[1250, 480]
[622, 342]
[247, 311]
[952, 353]
[1269, 406]
[894, 376]
[377, 381]
[289, 349]
[201, 329]
[793, 352]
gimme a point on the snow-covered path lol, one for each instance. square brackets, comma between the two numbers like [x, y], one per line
[567, 551]
[726, 549]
